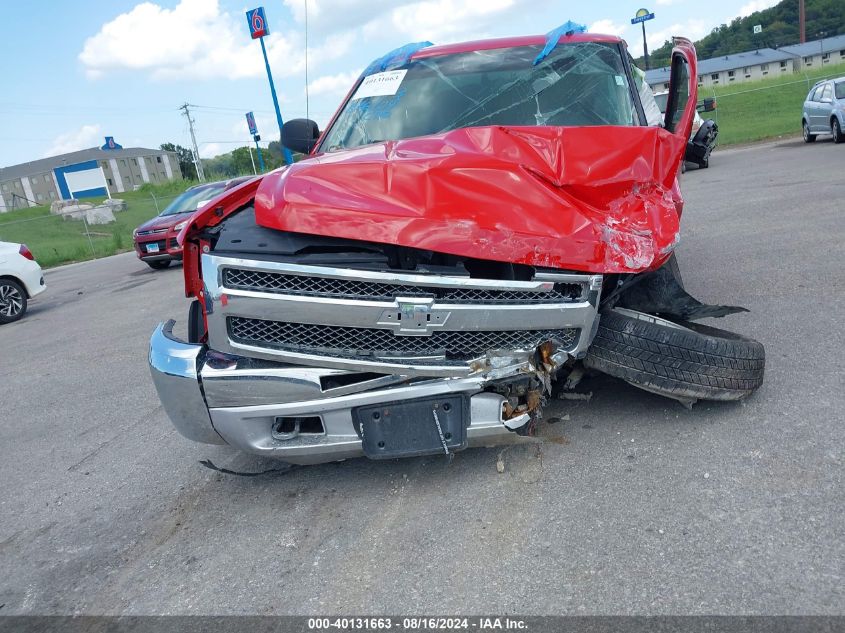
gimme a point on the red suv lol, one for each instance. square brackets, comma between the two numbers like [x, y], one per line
[155, 239]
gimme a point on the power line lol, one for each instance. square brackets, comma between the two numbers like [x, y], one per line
[228, 109]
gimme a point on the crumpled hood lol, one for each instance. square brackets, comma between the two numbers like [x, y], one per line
[596, 199]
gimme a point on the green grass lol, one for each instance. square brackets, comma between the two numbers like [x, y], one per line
[770, 108]
[55, 240]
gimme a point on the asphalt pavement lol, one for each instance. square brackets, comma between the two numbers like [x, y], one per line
[632, 505]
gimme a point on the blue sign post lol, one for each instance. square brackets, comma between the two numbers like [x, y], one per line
[641, 17]
[253, 129]
[258, 28]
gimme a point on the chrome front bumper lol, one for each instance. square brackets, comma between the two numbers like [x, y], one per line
[220, 399]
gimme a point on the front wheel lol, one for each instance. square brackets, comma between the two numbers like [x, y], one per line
[12, 301]
[808, 138]
[159, 265]
[836, 130]
[684, 361]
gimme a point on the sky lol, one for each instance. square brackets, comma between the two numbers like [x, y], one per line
[75, 72]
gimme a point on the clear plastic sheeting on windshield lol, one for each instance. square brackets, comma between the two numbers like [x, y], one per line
[577, 84]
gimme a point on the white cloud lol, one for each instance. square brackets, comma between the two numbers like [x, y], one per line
[439, 21]
[338, 84]
[607, 27]
[326, 17]
[665, 3]
[443, 21]
[755, 5]
[82, 138]
[195, 39]
[210, 150]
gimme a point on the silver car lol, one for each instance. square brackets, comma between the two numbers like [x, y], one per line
[824, 110]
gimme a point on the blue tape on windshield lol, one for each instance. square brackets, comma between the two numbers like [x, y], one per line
[396, 57]
[552, 38]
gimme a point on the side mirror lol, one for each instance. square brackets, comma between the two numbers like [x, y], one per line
[300, 135]
[827, 100]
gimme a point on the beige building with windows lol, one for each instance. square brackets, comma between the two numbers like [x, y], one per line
[763, 63]
[35, 183]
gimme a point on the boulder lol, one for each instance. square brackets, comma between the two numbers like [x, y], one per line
[102, 214]
[75, 211]
[57, 207]
[115, 204]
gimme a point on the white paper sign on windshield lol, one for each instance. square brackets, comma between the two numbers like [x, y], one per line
[380, 85]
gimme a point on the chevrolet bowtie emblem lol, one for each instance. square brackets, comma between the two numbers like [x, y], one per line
[414, 317]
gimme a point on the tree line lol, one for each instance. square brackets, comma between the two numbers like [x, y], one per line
[228, 165]
[824, 18]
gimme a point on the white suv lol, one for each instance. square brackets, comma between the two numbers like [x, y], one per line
[20, 280]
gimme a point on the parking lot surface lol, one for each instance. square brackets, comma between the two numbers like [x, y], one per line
[631, 504]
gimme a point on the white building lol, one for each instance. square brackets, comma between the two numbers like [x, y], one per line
[762, 63]
[40, 182]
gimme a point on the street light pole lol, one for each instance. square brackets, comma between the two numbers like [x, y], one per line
[645, 46]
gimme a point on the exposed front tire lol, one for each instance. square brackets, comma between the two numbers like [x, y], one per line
[12, 301]
[836, 130]
[808, 138]
[685, 361]
[160, 264]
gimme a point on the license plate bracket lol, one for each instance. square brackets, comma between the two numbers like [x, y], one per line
[152, 247]
[408, 428]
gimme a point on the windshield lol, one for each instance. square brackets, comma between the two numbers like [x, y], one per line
[193, 199]
[581, 83]
[839, 90]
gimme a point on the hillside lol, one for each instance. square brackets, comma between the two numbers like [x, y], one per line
[825, 18]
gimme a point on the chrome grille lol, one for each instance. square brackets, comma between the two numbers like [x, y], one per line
[152, 232]
[353, 342]
[287, 283]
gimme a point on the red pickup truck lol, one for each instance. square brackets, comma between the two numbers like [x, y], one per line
[477, 222]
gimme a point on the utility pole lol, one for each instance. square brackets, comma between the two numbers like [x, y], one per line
[802, 26]
[195, 152]
[252, 160]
